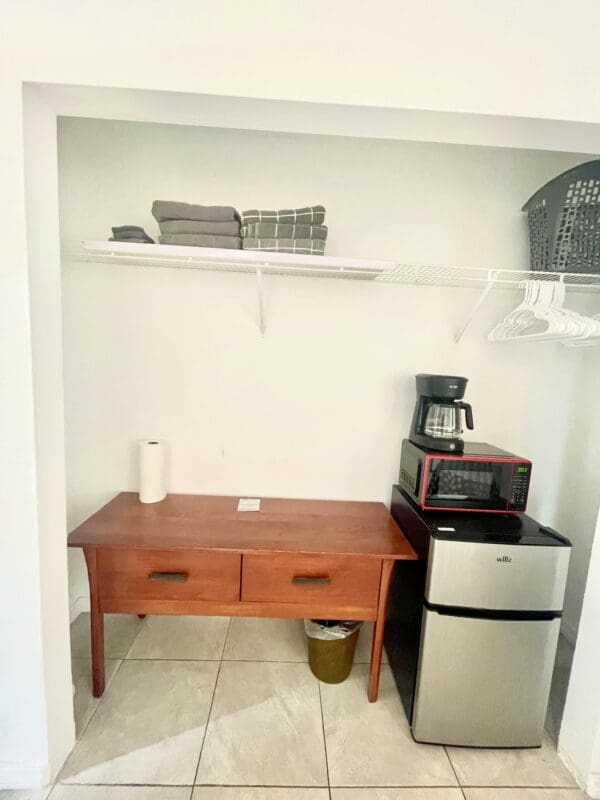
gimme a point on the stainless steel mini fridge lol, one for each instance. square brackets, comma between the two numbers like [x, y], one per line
[473, 627]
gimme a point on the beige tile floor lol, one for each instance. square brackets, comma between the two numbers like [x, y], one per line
[212, 709]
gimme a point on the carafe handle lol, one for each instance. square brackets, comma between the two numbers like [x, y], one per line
[468, 415]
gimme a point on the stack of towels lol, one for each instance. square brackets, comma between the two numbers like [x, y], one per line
[299, 230]
[130, 233]
[197, 226]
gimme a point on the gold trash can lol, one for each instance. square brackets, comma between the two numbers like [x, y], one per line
[331, 649]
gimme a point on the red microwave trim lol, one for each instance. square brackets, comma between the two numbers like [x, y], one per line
[472, 510]
[489, 459]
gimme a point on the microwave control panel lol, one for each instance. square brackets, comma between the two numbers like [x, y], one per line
[520, 487]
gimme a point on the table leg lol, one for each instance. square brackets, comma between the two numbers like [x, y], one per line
[96, 624]
[97, 628]
[378, 630]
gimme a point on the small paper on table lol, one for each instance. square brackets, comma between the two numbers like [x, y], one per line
[248, 504]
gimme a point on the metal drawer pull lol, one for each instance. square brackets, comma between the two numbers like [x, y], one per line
[309, 579]
[172, 577]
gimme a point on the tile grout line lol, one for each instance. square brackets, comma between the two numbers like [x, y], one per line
[178, 660]
[232, 786]
[212, 700]
[225, 660]
[95, 711]
[324, 739]
[100, 699]
[78, 738]
[458, 783]
[312, 786]
[139, 630]
[538, 787]
[225, 640]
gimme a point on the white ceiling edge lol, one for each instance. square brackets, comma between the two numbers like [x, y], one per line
[370, 122]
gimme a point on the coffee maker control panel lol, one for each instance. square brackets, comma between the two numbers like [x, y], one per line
[520, 487]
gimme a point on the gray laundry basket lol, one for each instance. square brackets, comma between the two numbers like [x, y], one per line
[564, 222]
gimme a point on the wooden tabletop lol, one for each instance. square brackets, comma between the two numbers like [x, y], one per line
[205, 522]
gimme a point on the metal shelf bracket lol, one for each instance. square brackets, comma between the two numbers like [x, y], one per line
[262, 323]
[492, 277]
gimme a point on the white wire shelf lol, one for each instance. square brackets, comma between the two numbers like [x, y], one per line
[480, 277]
[262, 263]
[181, 257]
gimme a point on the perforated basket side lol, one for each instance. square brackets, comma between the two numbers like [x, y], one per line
[564, 221]
[539, 244]
[577, 246]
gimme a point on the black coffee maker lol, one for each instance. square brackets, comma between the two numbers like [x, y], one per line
[437, 421]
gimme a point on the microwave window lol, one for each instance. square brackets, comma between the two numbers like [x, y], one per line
[454, 481]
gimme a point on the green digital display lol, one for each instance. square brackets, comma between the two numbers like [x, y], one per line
[522, 469]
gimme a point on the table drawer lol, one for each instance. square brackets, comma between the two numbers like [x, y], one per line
[168, 575]
[327, 580]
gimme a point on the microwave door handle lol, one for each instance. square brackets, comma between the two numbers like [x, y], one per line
[468, 415]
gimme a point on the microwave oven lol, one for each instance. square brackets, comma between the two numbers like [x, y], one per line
[481, 478]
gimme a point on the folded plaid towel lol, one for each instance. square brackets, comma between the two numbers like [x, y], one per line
[311, 215]
[127, 233]
[276, 230]
[310, 247]
[202, 240]
[171, 209]
[199, 226]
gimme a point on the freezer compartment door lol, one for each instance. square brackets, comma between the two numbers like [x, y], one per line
[483, 682]
[496, 576]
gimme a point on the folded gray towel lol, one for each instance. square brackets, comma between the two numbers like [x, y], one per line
[311, 215]
[127, 229]
[198, 226]
[127, 233]
[126, 237]
[172, 209]
[202, 240]
[276, 230]
[132, 240]
[311, 247]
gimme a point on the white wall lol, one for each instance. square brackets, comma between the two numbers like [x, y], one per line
[579, 742]
[41, 183]
[23, 720]
[459, 56]
[510, 58]
[319, 406]
[578, 497]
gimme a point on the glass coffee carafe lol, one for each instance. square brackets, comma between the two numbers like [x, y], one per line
[443, 421]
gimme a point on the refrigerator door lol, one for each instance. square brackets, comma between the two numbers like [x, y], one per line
[504, 577]
[483, 682]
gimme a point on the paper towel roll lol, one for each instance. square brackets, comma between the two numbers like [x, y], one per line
[153, 487]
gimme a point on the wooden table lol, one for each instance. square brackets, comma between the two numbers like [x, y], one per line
[193, 554]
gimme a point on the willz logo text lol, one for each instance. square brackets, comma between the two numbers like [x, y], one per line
[503, 559]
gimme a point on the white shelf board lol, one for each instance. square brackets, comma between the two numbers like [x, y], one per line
[181, 257]
[165, 255]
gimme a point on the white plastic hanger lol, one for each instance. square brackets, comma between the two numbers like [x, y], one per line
[541, 316]
[591, 341]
